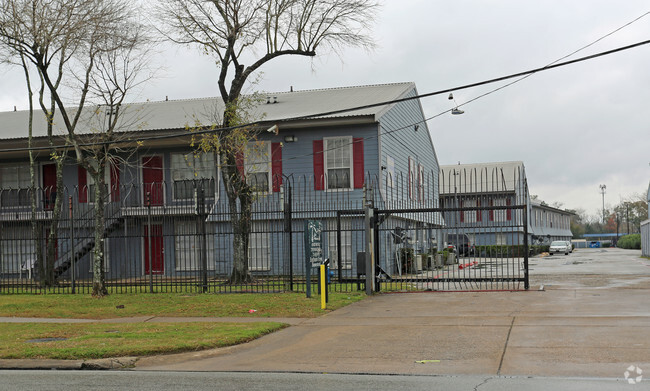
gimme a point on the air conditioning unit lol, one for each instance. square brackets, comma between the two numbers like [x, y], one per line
[418, 262]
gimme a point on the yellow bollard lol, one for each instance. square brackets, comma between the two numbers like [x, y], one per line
[323, 288]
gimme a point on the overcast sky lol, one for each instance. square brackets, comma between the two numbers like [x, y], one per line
[574, 127]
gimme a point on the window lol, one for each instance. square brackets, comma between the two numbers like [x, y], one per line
[257, 163]
[412, 179]
[338, 162]
[18, 249]
[15, 184]
[500, 214]
[187, 242]
[91, 184]
[470, 215]
[190, 170]
[390, 172]
[86, 183]
[420, 182]
[346, 245]
[259, 251]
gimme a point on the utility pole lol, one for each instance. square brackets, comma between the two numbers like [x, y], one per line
[602, 191]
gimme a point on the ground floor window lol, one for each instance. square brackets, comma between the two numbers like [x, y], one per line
[188, 246]
[259, 250]
[501, 239]
[18, 251]
[346, 245]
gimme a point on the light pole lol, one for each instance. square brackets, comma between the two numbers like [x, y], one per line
[602, 191]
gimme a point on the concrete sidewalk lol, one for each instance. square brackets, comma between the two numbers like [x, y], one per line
[537, 333]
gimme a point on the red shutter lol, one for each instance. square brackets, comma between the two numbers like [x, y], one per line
[49, 185]
[509, 211]
[479, 213]
[357, 162]
[239, 162]
[319, 165]
[462, 214]
[115, 183]
[491, 203]
[82, 182]
[276, 165]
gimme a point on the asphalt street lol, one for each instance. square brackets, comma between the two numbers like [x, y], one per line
[149, 381]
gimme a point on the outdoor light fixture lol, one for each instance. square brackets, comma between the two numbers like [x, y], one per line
[290, 139]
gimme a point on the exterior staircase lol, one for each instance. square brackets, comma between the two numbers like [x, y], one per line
[86, 243]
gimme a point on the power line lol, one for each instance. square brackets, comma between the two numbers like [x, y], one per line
[341, 111]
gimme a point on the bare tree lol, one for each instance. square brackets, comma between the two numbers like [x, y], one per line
[81, 49]
[234, 31]
[10, 28]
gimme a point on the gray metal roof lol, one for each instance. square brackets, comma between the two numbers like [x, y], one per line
[539, 204]
[482, 177]
[177, 114]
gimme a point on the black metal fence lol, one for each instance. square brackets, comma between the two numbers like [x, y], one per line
[178, 237]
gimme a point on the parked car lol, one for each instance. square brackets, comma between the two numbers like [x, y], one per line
[568, 242]
[462, 244]
[559, 246]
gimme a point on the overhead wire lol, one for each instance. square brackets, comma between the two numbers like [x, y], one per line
[520, 75]
[525, 76]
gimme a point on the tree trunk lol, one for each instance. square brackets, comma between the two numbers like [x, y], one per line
[239, 203]
[99, 288]
[52, 237]
[35, 226]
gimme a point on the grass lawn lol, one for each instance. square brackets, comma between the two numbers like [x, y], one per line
[291, 305]
[95, 340]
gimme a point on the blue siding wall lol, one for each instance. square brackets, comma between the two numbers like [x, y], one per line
[399, 140]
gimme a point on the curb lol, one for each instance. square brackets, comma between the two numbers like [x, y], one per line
[95, 365]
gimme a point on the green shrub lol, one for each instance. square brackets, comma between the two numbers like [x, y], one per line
[630, 242]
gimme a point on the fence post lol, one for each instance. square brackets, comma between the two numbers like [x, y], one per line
[72, 253]
[525, 218]
[149, 242]
[370, 256]
[204, 249]
[288, 229]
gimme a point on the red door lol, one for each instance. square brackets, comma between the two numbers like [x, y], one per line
[152, 179]
[49, 186]
[154, 258]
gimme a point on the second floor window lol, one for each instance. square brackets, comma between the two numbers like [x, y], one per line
[14, 185]
[190, 170]
[413, 179]
[257, 164]
[338, 162]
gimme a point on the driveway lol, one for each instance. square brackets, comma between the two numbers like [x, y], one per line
[591, 319]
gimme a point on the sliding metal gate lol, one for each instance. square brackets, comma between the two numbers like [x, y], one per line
[474, 238]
